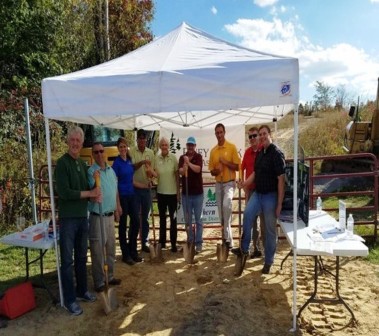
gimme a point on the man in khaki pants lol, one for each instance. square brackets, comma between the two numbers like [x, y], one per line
[103, 211]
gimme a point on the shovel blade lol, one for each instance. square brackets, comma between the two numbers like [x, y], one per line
[109, 300]
[155, 252]
[222, 252]
[189, 252]
[240, 265]
[158, 252]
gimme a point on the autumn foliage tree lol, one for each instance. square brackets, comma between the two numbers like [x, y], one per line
[43, 38]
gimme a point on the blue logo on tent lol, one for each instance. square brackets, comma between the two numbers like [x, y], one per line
[286, 89]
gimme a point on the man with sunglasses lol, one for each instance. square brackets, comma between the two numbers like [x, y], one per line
[73, 193]
[268, 175]
[103, 211]
[247, 168]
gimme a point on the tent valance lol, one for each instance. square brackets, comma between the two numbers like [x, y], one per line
[168, 80]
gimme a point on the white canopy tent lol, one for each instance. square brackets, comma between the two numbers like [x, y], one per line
[185, 78]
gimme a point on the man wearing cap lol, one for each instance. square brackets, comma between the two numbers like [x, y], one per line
[192, 199]
[223, 164]
[144, 164]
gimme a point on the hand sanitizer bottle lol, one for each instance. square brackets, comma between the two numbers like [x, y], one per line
[350, 226]
[319, 204]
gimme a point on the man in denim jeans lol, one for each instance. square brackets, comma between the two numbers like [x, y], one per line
[192, 162]
[143, 159]
[73, 194]
[269, 172]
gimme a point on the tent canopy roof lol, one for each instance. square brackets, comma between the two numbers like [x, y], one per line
[186, 77]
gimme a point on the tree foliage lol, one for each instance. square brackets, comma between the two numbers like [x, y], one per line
[324, 96]
[42, 38]
[27, 36]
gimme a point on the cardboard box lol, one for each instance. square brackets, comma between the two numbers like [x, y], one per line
[31, 234]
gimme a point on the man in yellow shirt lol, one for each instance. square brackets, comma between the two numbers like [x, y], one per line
[144, 163]
[223, 164]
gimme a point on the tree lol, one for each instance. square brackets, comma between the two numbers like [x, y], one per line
[27, 30]
[42, 38]
[342, 96]
[324, 95]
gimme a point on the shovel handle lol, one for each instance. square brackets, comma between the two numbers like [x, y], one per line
[97, 179]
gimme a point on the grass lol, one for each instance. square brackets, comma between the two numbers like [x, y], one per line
[13, 270]
[362, 230]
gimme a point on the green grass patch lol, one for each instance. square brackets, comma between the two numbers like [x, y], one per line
[373, 256]
[13, 266]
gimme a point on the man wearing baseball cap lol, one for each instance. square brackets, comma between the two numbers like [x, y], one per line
[192, 199]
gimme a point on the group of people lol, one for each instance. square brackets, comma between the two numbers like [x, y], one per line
[263, 170]
[125, 190]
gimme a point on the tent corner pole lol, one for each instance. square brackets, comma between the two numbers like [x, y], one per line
[52, 204]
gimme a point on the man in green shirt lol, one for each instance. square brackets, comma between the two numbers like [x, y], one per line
[73, 193]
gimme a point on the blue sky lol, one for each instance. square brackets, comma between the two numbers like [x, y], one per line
[336, 41]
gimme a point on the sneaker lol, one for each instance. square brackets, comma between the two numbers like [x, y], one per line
[228, 245]
[114, 282]
[174, 249]
[100, 289]
[128, 261]
[87, 297]
[74, 309]
[198, 249]
[256, 254]
[137, 259]
[238, 252]
[266, 269]
[145, 248]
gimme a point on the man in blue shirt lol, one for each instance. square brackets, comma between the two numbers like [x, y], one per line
[103, 211]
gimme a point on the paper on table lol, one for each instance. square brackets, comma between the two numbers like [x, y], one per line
[322, 246]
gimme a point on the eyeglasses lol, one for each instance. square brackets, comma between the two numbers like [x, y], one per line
[98, 151]
[253, 135]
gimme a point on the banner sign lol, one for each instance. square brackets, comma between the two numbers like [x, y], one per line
[210, 209]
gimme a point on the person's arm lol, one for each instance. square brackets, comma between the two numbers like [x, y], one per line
[229, 164]
[247, 182]
[280, 195]
[195, 168]
[140, 185]
[118, 210]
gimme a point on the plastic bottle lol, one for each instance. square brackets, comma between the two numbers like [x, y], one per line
[350, 226]
[319, 204]
[46, 231]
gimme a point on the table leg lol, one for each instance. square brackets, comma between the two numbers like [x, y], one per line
[41, 275]
[285, 258]
[337, 299]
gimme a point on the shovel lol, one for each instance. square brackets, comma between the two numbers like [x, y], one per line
[241, 259]
[108, 297]
[155, 248]
[222, 251]
[189, 247]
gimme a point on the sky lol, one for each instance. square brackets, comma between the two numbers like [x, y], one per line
[336, 41]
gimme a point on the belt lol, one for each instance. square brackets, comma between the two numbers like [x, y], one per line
[106, 214]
